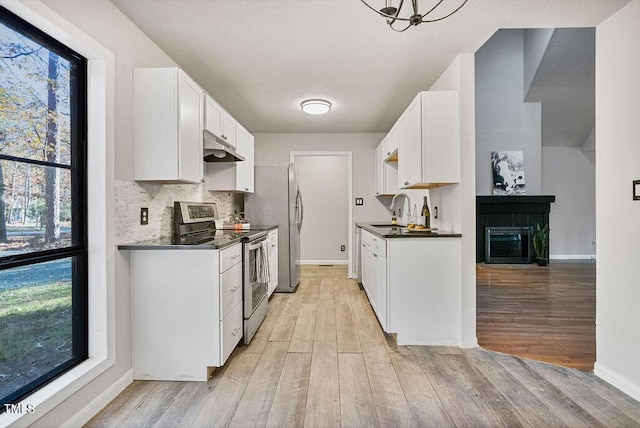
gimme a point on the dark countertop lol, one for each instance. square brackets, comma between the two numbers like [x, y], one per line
[222, 238]
[399, 231]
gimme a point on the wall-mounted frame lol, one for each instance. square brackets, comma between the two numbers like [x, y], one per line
[636, 190]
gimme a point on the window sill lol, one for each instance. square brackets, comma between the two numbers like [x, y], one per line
[54, 393]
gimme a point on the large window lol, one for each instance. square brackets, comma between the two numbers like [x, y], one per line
[43, 242]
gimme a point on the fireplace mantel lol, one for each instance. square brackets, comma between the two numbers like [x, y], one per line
[509, 211]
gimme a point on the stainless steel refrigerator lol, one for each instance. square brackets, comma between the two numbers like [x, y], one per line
[277, 201]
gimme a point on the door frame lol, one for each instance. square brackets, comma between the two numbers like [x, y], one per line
[349, 156]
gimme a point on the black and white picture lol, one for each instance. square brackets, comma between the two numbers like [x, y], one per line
[508, 173]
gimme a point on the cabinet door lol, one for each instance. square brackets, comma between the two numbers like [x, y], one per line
[365, 256]
[219, 122]
[190, 162]
[240, 166]
[249, 163]
[392, 142]
[369, 279]
[373, 282]
[381, 295]
[440, 138]
[213, 116]
[410, 145]
[378, 168]
[229, 129]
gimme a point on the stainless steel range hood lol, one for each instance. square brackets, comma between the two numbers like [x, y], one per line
[218, 150]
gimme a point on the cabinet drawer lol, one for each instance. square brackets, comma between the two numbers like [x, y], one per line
[230, 289]
[380, 247]
[231, 332]
[374, 243]
[273, 236]
[230, 256]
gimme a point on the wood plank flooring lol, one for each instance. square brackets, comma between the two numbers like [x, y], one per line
[543, 313]
[321, 359]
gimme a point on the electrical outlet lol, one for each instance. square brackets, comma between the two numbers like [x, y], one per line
[359, 201]
[435, 212]
[144, 216]
[342, 247]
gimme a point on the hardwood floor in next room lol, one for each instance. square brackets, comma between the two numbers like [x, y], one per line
[321, 359]
[544, 313]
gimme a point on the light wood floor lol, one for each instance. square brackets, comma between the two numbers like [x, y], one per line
[544, 313]
[321, 359]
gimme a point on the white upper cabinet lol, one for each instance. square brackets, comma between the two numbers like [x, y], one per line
[219, 122]
[429, 141]
[386, 164]
[390, 145]
[249, 172]
[234, 176]
[241, 167]
[377, 169]
[168, 124]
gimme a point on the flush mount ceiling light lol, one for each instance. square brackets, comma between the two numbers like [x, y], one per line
[432, 15]
[315, 106]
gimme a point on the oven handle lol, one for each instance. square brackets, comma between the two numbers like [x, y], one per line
[257, 245]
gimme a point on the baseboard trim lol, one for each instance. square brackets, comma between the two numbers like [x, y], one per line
[92, 409]
[324, 262]
[572, 257]
[617, 380]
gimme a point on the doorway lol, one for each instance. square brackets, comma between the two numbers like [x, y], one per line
[326, 187]
[535, 96]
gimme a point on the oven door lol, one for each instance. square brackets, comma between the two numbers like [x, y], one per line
[256, 274]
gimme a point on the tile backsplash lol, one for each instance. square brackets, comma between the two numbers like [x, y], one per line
[130, 196]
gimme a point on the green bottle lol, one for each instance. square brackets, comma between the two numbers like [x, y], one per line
[426, 214]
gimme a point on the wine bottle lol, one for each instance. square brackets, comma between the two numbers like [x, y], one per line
[426, 214]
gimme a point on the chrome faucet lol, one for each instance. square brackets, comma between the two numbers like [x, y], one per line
[393, 201]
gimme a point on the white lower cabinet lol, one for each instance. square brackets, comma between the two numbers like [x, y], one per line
[381, 283]
[231, 332]
[374, 274]
[272, 237]
[186, 311]
[415, 287]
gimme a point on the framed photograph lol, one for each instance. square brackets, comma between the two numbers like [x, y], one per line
[508, 173]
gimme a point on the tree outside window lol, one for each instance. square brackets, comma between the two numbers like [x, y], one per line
[42, 208]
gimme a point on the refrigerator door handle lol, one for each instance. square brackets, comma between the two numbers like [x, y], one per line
[300, 210]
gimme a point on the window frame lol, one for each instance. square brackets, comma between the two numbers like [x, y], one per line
[78, 250]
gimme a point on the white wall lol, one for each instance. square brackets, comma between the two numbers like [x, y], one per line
[617, 215]
[503, 120]
[534, 46]
[459, 200]
[274, 149]
[571, 177]
[324, 188]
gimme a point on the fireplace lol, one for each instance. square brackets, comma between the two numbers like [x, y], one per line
[509, 213]
[509, 245]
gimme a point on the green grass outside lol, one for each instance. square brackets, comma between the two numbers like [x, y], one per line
[35, 323]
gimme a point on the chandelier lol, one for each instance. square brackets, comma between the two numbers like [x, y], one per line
[392, 14]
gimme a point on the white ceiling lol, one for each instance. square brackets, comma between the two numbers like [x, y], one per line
[261, 58]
